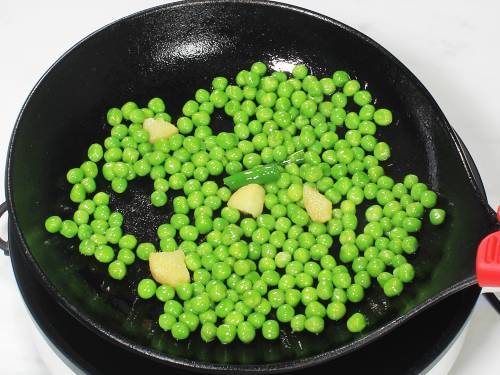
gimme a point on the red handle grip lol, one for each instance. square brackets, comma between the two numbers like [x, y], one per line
[488, 260]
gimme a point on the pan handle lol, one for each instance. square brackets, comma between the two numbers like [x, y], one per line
[4, 245]
[488, 261]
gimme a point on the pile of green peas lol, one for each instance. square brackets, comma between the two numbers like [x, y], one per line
[247, 274]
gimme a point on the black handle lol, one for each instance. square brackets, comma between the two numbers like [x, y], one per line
[4, 245]
[493, 300]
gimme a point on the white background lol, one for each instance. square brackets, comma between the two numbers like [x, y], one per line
[452, 46]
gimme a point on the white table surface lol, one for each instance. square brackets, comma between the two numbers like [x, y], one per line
[452, 46]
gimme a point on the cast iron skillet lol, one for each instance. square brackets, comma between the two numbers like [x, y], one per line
[170, 51]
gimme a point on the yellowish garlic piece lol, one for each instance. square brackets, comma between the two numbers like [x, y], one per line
[158, 129]
[169, 268]
[248, 199]
[318, 207]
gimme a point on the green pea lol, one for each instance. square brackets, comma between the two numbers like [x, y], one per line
[113, 235]
[382, 151]
[428, 199]
[146, 289]
[166, 321]
[226, 333]
[68, 229]
[335, 310]
[117, 269]
[246, 332]
[314, 324]
[437, 216]
[298, 323]
[190, 320]
[87, 247]
[114, 115]
[382, 117]
[128, 241]
[53, 224]
[355, 293]
[341, 280]
[126, 256]
[180, 331]
[104, 253]
[356, 323]
[340, 78]
[393, 287]
[270, 330]
[85, 232]
[143, 250]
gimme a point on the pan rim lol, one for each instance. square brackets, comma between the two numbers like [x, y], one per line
[184, 363]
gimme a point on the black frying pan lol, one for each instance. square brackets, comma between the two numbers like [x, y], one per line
[169, 52]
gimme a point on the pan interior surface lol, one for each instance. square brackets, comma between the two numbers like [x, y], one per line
[169, 52]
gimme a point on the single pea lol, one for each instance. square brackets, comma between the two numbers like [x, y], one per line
[144, 250]
[285, 313]
[117, 269]
[95, 152]
[393, 287]
[375, 267]
[315, 308]
[335, 310]
[68, 229]
[128, 241]
[172, 307]
[99, 226]
[180, 331]
[87, 247]
[428, 199]
[113, 235]
[356, 323]
[314, 324]
[362, 98]
[166, 321]
[146, 288]
[298, 323]
[158, 198]
[114, 116]
[410, 180]
[190, 319]
[53, 224]
[157, 105]
[382, 151]
[119, 185]
[77, 193]
[104, 253]
[85, 232]
[126, 256]
[366, 126]
[208, 331]
[226, 333]
[270, 330]
[411, 224]
[292, 297]
[246, 332]
[351, 87]
[437, 216]
[404, 272]
[208, 316]
[340, 78]
[355, 293]
[382, 117]
[300, 71]
[348, 252]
